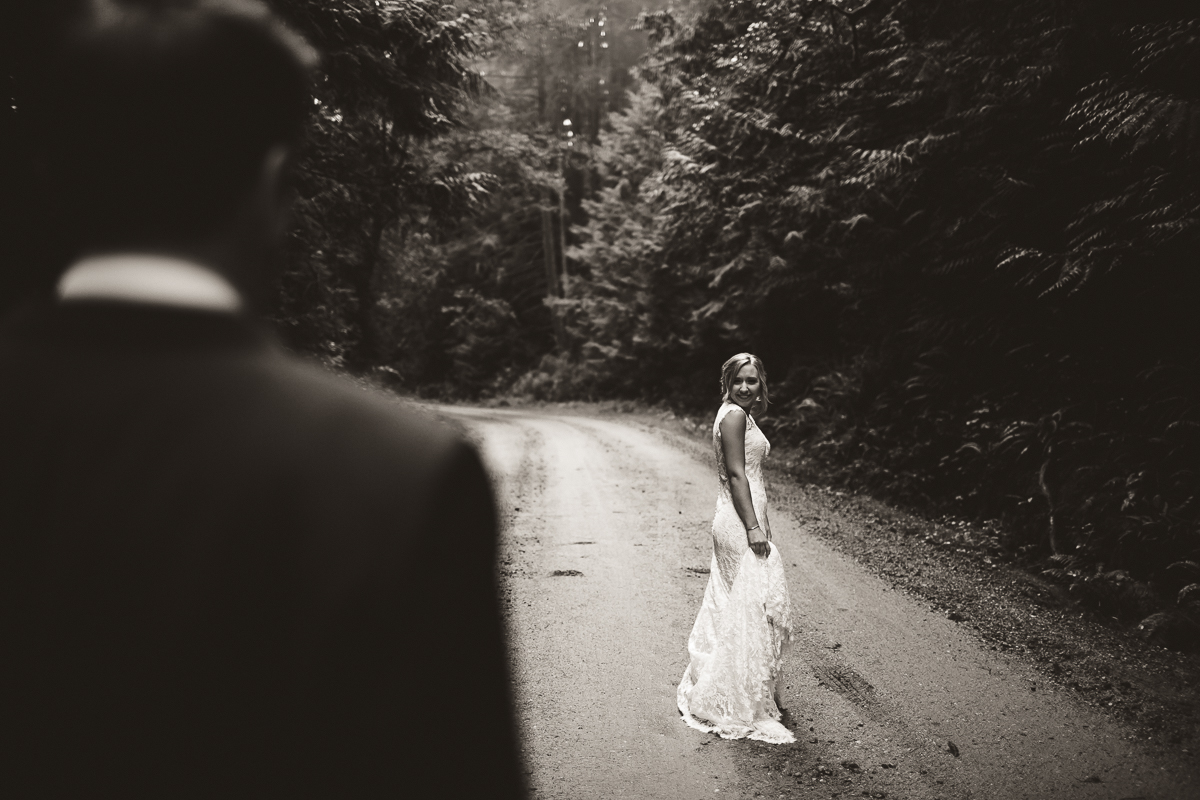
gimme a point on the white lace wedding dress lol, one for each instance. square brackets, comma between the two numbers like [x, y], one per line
[743, 629]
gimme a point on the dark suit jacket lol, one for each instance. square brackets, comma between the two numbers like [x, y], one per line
[227, 573]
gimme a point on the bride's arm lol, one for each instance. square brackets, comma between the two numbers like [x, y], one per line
[733, 446]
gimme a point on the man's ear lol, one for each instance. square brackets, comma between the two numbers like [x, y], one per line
[270, 199]
[270, 176]
[253, 263]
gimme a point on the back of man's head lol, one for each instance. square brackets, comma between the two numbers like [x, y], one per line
[159, 114]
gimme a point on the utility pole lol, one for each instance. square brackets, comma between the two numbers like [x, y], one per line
[604, 70]
[553, 290]
[562, 219]
[548, 119]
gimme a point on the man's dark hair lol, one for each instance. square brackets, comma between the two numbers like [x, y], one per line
[158, 115]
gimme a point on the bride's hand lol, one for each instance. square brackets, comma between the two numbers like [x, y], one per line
[758, 542]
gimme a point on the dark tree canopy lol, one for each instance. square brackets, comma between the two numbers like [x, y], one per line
[963, 235]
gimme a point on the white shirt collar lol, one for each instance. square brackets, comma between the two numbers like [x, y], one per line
[151, 279]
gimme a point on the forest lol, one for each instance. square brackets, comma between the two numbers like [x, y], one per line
[963, 235]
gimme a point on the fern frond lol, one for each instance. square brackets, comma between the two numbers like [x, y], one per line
[1172, 45]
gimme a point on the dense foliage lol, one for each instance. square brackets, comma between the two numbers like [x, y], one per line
[393, 73]
[962, 236]
[470, 284]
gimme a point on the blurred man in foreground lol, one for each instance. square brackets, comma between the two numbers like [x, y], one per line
[223, 573]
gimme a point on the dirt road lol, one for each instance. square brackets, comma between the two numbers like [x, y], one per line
[604, 558]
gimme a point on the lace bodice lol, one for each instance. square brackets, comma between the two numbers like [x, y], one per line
[757, 448]
[729, 534]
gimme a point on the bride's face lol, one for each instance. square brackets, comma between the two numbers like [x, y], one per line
[746, 387]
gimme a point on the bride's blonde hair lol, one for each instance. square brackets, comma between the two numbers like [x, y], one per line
[730, 370]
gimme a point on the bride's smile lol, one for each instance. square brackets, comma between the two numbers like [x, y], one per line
[745, 389]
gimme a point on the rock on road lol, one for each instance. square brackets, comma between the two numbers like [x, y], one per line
[604, 556]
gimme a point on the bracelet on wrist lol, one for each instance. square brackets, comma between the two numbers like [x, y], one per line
[752, 528]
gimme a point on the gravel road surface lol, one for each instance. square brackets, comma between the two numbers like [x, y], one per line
[604, 561]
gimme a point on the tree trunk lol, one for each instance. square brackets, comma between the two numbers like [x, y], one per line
[562, 223]
[552, 287]
[366, 351]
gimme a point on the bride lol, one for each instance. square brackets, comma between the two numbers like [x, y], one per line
[744, 627]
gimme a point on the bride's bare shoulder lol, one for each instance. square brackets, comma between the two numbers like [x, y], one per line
[730, 417]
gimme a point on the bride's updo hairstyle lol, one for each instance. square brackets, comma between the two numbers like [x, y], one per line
[729, 371]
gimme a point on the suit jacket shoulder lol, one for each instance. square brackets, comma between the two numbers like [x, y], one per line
[255, 574]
